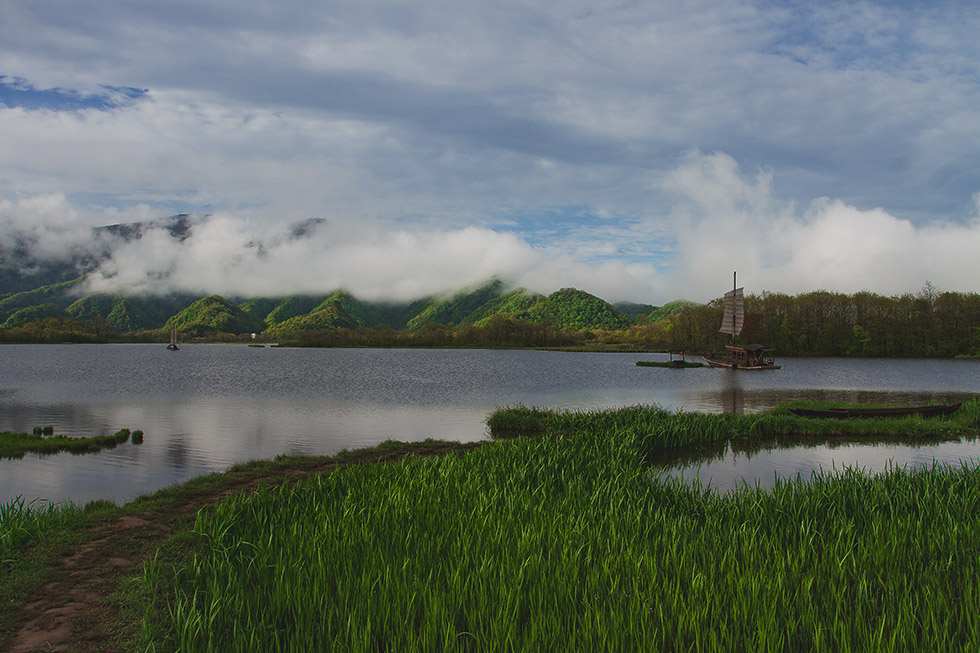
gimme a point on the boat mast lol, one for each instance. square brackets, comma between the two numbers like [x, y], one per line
[734, 312]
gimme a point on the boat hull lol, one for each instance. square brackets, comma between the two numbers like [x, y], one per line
[905, 411]
[728, 363]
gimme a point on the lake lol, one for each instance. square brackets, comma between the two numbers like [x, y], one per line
[206, 407]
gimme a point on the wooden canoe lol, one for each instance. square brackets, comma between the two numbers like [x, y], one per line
[898, 411]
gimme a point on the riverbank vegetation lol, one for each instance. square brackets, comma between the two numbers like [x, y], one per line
[569, 540]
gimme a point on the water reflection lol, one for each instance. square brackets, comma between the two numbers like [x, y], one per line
[211, 406]
[728, 465]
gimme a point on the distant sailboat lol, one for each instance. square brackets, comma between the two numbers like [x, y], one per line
[739, 357]
[173, 340]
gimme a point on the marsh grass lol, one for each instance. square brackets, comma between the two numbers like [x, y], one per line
[16, 445]
[566, 544]
[657, 428]
[23, 522]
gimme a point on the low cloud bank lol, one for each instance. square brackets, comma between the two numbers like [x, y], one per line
[722, 220]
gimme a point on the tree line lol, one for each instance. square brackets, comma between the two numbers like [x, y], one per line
[929, 324]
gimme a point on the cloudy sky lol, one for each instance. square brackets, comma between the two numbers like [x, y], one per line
[637, 150]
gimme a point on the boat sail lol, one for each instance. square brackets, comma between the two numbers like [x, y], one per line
[734, 313]
[739, 357]
[173, 340]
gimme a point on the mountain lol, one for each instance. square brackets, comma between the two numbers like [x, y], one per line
[34, 314]
[128, 314]
[458, 308]
[59, 294]
[634, 311]
[36, 286]
[212, 315]
[21, 269]
[670, 308]
[569, 308]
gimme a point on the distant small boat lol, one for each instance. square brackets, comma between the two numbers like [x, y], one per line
[899, 411]
[173, 340]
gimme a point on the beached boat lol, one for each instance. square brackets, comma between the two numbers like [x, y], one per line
[898, 411]
[173, 340]
[739, 357]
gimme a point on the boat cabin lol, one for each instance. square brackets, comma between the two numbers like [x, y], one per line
[751, 355]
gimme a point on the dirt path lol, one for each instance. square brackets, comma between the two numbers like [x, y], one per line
[74, 611]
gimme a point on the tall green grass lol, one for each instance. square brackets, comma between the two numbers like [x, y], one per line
[657, 428]
[566, 543]
[23, 522]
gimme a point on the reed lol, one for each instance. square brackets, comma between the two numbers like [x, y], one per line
[657, 428]
[23, 522]
[568, 543]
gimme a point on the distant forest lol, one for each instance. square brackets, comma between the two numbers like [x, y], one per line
[929, 323]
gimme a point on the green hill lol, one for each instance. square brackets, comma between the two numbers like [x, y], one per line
[128, 314]
[59, 294]
[670, 308]
[458, 308]
[330, 316]
[634, 311]
[212, 315]
[569, 308]
[362, 313]
[34, 314]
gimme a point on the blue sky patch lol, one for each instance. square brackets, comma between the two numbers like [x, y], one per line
[17, 92]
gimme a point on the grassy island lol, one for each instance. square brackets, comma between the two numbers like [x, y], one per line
[16, 445]
[562, 539]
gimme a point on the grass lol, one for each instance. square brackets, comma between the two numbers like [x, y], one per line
[16, 445]
[564, 540]
[568, 544]
[658, 428]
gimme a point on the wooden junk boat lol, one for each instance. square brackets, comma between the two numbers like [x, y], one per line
[739, 357]
[898, 411]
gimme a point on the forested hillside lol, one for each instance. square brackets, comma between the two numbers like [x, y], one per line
[929, 323]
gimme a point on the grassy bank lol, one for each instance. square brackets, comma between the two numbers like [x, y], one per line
[568, 543]
[560, 541]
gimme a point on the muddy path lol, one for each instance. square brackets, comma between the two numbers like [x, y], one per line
[76, 608]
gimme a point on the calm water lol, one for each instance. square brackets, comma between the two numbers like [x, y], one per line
[207, 407]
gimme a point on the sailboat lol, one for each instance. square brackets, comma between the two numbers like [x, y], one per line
[739, 357]
[173, 340]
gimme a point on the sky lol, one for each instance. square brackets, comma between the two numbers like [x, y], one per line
[641, 151]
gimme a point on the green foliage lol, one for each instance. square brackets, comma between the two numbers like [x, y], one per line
[458, 308]
[34, 314]
[58, 294]
[569, 308]
[15, 445]
[291, 307]
[635, 311]
[569, 543]
[214, 314]
[670, 308]
[822, 323]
